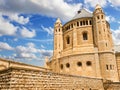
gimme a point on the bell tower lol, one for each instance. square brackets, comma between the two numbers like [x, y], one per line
[58, 39]
[103, 41]
[102, 32]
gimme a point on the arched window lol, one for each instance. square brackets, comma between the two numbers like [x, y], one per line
[90, 22]
[83, 22]
[61, 66]
[85, 36]
[86, 22]
[59, 30]
[107, 67]
[98, 17]
[80, 23]
[68, 40]
[102, 16]
[110, 66]
[71, 25]
[77, 23]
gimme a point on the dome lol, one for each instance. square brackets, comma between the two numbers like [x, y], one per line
[58, 20]
[82, 13]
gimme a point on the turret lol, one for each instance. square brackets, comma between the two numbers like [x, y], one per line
[58, 39]
[102, 34]
[103, 41]
[99, 27]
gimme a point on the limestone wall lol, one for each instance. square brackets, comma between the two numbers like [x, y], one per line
[118, 63]
[27, 79]
[83, 69]
[4, 64]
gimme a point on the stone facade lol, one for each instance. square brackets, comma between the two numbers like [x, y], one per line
[84, 46]
[118, 63]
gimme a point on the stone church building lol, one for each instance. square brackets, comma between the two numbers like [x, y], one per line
[84, 46]
[83, 58]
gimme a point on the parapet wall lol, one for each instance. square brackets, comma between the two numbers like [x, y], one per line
[27, 79]
[5, 64]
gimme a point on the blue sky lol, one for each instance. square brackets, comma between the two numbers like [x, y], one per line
[26, 26]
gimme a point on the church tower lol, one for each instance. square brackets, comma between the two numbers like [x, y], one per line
[58, 39]
[103, 41]
[102, 34]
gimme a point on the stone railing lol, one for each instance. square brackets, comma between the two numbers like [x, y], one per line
[28, 79]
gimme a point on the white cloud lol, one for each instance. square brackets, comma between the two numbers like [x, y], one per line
[93, 3]
[49, 30]
[116, 36]
[27, 33]
[18, 18]
[45, 53]
[115, 2]
[27, 55]
[5, 46]
[29, 51]
[110, 19]
[58, 8]
[6, 28]
[103, 3]
[26, 51]
[30, 44]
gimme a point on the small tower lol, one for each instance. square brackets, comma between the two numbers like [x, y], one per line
[100, 30]
[58, 39]
[103, 41]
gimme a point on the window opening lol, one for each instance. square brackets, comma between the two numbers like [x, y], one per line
[68, 40]
[67, 65]
[88, 63]
[79, 64]
[107, 67]
[86, 22]
[85, 37]
[61, 66]
[83, 22]
[77, 23]
[90, 22]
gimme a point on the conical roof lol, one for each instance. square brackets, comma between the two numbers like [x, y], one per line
[97, 6]
[82, 13]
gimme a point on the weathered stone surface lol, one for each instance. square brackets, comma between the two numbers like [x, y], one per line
[27, 79]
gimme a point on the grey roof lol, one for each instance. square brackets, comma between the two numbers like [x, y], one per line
[82, 13]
